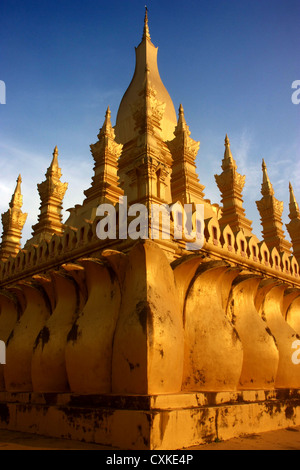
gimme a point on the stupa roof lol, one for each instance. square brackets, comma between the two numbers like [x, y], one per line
[146, 61]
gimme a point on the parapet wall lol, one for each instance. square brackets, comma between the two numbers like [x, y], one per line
[136, 323]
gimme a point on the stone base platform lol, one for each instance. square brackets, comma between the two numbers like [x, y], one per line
[158, 422]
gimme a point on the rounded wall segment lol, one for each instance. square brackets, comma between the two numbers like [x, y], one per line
[293, 315]
[90, 339]
[148, 343]
[260, 359]
[269, 301]
[48, 361]
[213, 354]
[17, 372]
[9, 313]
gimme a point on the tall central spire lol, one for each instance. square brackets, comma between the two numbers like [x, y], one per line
[146, 62]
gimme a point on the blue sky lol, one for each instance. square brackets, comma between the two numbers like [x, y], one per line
[230, 63]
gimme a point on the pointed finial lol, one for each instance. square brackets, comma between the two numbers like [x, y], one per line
[228, 161]
[54, 163]
[107, 121]
[108, 113]
[146, 33]
[292, 194]
[181, 123]
[266, 187]
[106, 129]
[17, 199]
[18, 186]
[181, 118]
[294, 207]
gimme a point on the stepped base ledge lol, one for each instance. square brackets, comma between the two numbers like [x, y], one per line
[150, 422]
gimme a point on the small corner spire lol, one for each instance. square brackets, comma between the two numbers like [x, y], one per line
[13, 221]
[146, 33]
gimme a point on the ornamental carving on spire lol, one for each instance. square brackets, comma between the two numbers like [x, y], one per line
[293, 226]
[148, 111]
[230, 179]
[185, 186]
[106, 152]
[52, 187]
[52, 192]
[271, 210]
[231, 184]
[13, 221]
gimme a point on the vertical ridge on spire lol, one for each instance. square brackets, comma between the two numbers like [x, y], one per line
[13, 221]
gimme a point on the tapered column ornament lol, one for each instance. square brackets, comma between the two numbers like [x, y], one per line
[51, 192]
[185, 186]
[105, 187]
[13, 221]
[293, 226]
[106, 152]
[270, 210]
[231, 184]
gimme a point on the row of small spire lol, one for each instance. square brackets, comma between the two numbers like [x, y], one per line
[230, 183]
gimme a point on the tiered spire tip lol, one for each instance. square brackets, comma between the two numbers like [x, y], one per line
[266, 187]
[146, 32]
[228, 161]
[17, 199]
